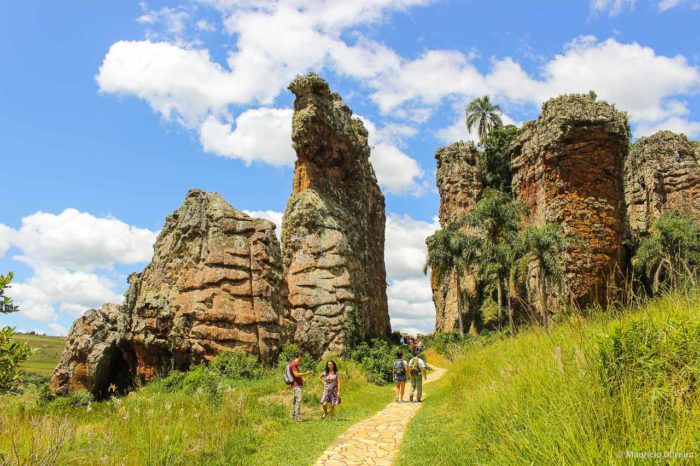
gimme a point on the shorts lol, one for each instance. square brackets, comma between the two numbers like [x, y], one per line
[400, 378]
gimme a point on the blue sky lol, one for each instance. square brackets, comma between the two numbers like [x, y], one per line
[111, 111]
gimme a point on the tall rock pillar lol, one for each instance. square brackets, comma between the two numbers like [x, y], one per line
[567, 169]
[333, 226]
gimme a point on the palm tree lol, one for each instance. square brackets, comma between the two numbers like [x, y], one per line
[483, 115]
[497, 219]
[672, 249]
[451, 251]
[544, 247]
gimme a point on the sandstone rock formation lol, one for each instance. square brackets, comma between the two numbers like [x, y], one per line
[567, 169]
[333, 227]
[214, 283]
[459, 183]
[662, 172]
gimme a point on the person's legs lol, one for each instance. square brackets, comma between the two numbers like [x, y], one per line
[332, 410]
[296, 404]
[398, 389]
[413, 387]
[419, 386]
[403, 389]
[324, 408]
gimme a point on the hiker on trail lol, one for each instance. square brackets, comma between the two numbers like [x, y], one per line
[420, 346]
[330, 378]
[402, 341]
[297, 384]
[416, 368]
[414, 348]
[400, 373]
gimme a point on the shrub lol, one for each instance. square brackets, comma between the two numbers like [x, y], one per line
[12, 354]
[660, 362]
[236, 365]
[77, 399]
[203, 380]
[172, 382]
[289, 352]
[376, 359]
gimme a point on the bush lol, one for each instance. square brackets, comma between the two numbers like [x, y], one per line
[12, 354]
[203, 380]
[236, 365]
[376, 359]
[289, 352]
[660, 362]
[78, 399]
[172, 382]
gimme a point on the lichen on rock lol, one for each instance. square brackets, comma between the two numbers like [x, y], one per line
[567, 169]
[662, 172]
[214, 283]
[459, 183]
[333, 226]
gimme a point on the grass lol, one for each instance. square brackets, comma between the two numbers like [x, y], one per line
[538, 398]
[248, 424]
[46, 355]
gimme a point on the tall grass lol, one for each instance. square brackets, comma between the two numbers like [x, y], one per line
[245, 421]
[548, 397]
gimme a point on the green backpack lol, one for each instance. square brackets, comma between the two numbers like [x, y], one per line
[414, 366]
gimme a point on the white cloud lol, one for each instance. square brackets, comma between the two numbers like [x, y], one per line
[457, 131]
[272, 215]
[613, 7]
[79, 240]
[675, 124]
[262, 134]
[5, 233]
[204, 25]
[409, 293]
[57, 329]
[176, 82]
[396, 171]
[405, 248]
[64, 252]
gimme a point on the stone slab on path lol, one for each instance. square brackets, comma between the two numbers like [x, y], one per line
[375, 441]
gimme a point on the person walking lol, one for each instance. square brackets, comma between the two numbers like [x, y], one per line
[417, 372]
[330, 378]
[297, 385]
[400, 373]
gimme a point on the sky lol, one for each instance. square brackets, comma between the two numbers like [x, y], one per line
[111, 111]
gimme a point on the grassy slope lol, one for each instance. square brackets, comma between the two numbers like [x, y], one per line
[533, 400]
[250, 425]
[47, 353]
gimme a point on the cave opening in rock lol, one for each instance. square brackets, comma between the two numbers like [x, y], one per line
[112, 376]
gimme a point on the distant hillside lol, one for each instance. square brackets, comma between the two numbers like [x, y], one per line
[48, 351]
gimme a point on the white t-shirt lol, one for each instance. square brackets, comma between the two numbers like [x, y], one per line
[421, 363]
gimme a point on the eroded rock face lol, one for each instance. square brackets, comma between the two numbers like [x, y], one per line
[662, 172]
[96, 353]
[333, 227]
[214, 283]
[460, 186]
[567, 169]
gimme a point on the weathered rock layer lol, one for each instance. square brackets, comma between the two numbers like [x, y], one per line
[214, 283]
[567, 169]
[662, 172]
[333, 227]
[460, 186]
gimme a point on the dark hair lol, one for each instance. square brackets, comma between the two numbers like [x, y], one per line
[335, 367]
[399, 355]
[300, 353]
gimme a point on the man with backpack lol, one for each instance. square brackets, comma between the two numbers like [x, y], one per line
[416, 369]
[295, 379]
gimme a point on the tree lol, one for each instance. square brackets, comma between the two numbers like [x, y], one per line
[494, 161]
[451, 251]
[483, 115]
[544, 247]
[672, 250]
[12, 352]
[497, 220]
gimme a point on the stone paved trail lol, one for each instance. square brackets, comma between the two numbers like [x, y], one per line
[375, 440]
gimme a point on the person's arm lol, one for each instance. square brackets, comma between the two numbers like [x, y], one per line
[321, 378]
[425, 371]
[338, 385]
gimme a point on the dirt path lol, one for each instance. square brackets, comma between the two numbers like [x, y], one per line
[376, 440]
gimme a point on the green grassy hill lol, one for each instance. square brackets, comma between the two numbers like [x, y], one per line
[47, 353]
[586, 392]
